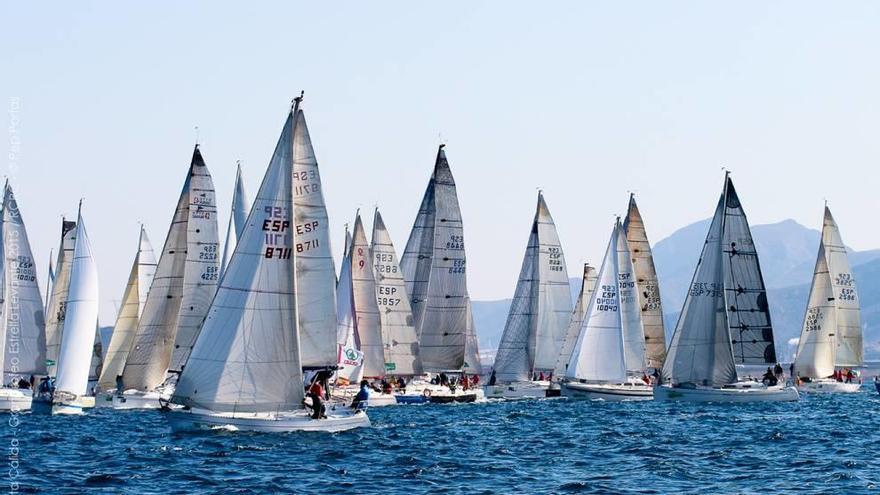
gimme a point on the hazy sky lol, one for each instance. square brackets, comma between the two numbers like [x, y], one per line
[585, 100]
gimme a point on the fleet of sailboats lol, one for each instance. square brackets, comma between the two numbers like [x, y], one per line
[232, 339]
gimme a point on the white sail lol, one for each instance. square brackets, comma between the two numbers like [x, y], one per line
[22, 329]
[96, 366]
[630, 312]
[598, 354]
[816, 346]
[237, 217]
[399, 335]
[648, 286]
[56, 307]
[434, 267]
[139, 279]
[349, 358]
[848, 335]
[472, 363]
[182, 286]
[588, 284]
[316, 275]
[541, 308]
[367, 323]
[246, 357]
[78, 334]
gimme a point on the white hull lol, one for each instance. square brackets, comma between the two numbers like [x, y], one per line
[135, 399]
[517, 390]
[421, 392]
[608, 391]
[828, 386]
[15, 400]
[377, 399]
[73, 407]
[199, 419]
[750, 392]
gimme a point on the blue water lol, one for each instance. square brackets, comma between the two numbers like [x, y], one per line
[819, 445]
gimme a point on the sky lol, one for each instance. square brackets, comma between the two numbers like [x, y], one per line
[584, 100]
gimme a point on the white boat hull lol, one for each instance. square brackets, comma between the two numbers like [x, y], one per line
[737, 393]
[135, 399]
[15, 400]
[517, 390]
[346, 395]
[828, 386]
[608, 391]
[73, 407]
[200, 420]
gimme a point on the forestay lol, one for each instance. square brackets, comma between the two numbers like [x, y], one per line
[246, 357]
[398, 332]
[647, 284]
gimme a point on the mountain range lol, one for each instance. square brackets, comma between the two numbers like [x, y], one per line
[787, 251]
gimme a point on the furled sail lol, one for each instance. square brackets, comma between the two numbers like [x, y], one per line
[816, 346]
[434, 267]
[139, 279]
[588, 284]
[182, 287]
[599, 351]
[541, 308]
[366, 309]
[849, 350]
[237, 217]
[647, 284]
[23, 328]
[316, 275]
[57, 305]
[81, 318]
[246, 357]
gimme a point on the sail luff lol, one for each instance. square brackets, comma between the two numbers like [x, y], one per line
[848, 334]
[648, 286]
[402, 356]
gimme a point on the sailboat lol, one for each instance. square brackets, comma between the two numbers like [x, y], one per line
[22, 324]
[434, 268]
[831, 336]
[350, 360]
[70, 394]
[608, 361]
[538, 319]
[588, 285]
[725, 320]
[183, 285]
[57, 303]
[139, 279]
[245, 370]
[647, 285]
[237, 216]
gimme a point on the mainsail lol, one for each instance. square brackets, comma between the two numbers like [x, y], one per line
[316, 275]
[366, 309]
[22, 329]
[81, 318]
[648, 286]
[399, 335]
[725, 319]
[184, 282]
[541, 308]
[434, 267]
[247, 355]
[237, 217]
[588, 284]
[139, 279]
[849, 350]
[56, 307]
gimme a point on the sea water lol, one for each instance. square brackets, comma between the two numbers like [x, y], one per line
[822, 444]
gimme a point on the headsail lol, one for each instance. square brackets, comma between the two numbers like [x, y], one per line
[246, 357]
[23, 328]
[366, 309]
[78, 335]
[398, 332]
[139, 279]
[57, 305]
[472, 363]
[237, 216]
[184, 282]
[849, 350]
[316, 275]
[588, 284]
[816, 346]
[434, 267]
[630, 312]
[648, 286]
[349, 358]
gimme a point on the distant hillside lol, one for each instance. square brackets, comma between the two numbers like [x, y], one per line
[787, 251]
